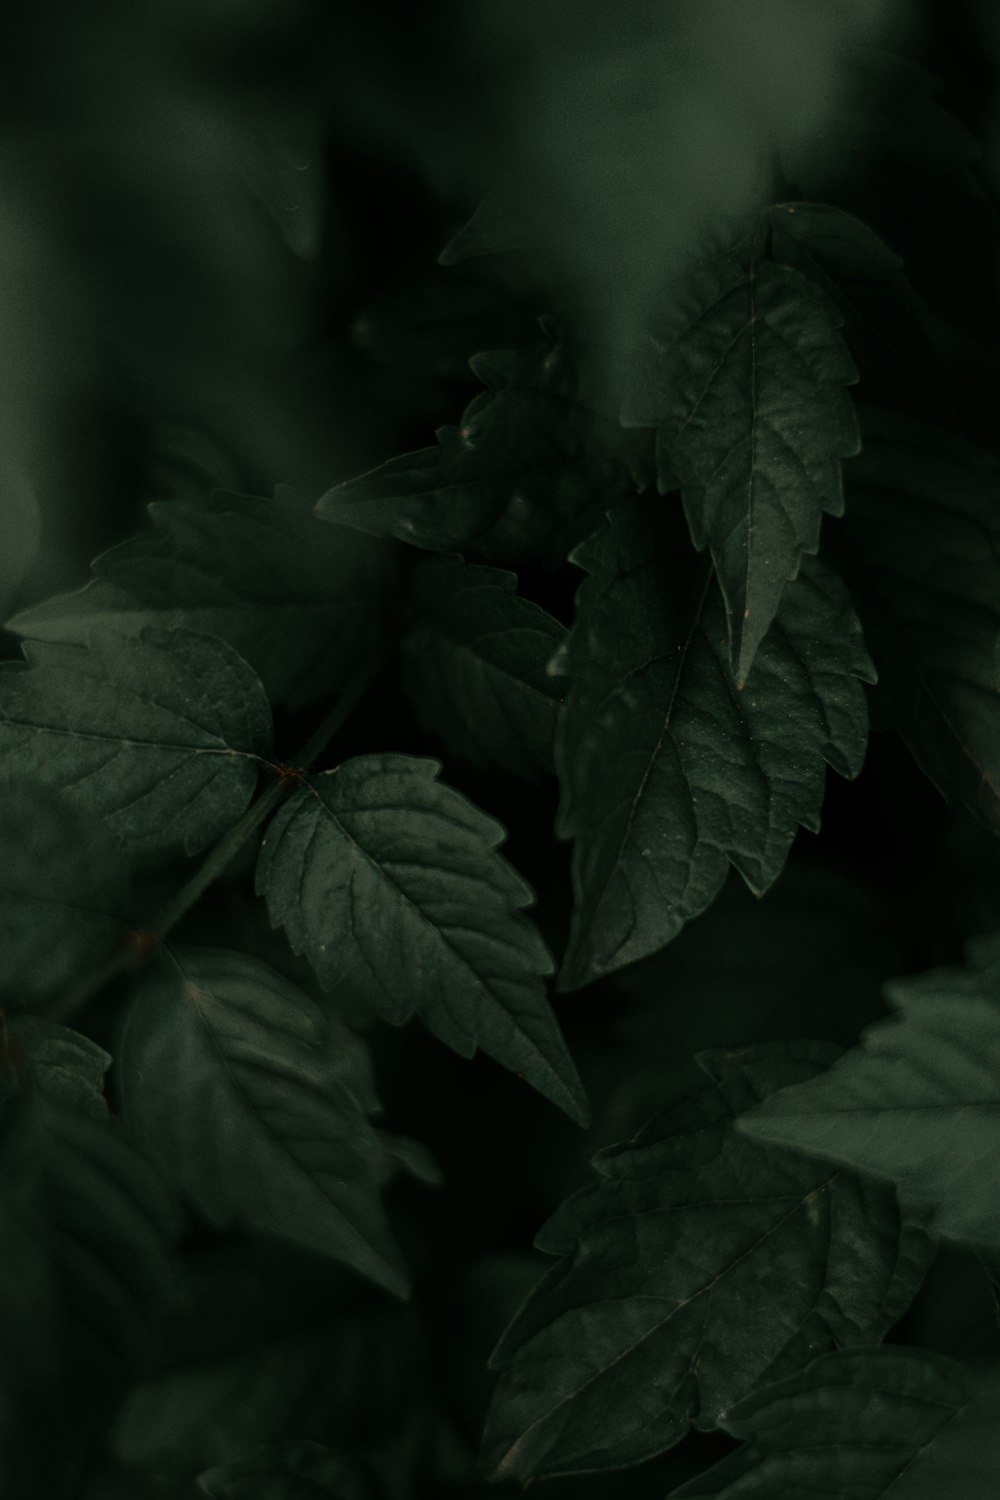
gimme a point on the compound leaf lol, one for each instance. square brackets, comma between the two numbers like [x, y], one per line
[694, 1271]
[524, 476]
[162, 735]
[476, 666]
[668, 772]
[300, 601]
[63, 883]
[746, 386]
[917, 1101]
[922, 556]
[227, 1070]
[391, 884]
[891, 1422]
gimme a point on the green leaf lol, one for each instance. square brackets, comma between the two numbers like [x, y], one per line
[391, 884]
[301, 602]
[63, 884]
[669, 773]
[890, 1422]
[745, 384]
[922, 556]
[476, 666]
[523, 478]
[699, 1267]
[917, 1101]
[162, 735]
[227, 1070]
[105, 1215]
[291, 1471]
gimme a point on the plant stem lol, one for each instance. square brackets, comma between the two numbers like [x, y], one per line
[229, 845]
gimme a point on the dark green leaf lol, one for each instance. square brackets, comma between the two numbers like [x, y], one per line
[922, 535]
[301, 602]
[695, 1270]
[918, 1101]
[745, 384]
[891, 1422]
[670, 773]
[292, 1471]
[228, 1070]
[62, 888]
[162, 735]
[105, 1215]
[476, 666]
[392, 885]
[524, 476]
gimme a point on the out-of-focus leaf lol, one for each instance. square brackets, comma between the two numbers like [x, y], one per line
[476, 666]
[301, 602]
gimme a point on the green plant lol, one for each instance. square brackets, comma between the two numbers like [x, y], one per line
[308, 800]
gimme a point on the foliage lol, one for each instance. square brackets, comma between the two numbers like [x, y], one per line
[428, 922]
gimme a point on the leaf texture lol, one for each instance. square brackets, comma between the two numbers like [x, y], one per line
[746, 387]
[63, 886]
[668, 772]
[692, 1272]
[476, 666]
[886, 1424]
[917, 1101]
[162, 735]
[301, 602]
[524, 477]
[392, 885]
[922, 556]
[226, 1069]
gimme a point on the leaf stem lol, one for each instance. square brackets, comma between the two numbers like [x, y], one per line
[228, 846]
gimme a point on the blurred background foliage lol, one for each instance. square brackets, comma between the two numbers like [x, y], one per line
[220, 223]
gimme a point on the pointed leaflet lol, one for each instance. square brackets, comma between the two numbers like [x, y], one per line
[922, 556]
[522, 478]
[62, 887]
[476, 666]
[696, 1269]
[161, 735]
[294, 1471]
[301, 602]
[886, 1424]
[669, 774]
[391, 884]
[227, 1070]
[918, 1101]
[109, 1217]
[745, 385]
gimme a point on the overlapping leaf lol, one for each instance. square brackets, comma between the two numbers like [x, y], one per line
[162, 735]
[918, 1101]
[392, 885]
[695, 1270]
[890, 1422]
[301, 602]
[106, 1216]
[668, 772]
[62, 890]
[476, 666]
[922, 555]
[230, 1072]
[522, 478]
[745, 384]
